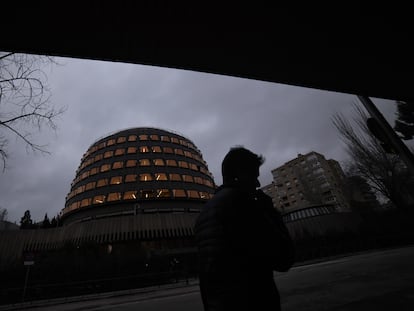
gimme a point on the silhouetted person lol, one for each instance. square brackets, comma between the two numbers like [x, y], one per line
[241, 240]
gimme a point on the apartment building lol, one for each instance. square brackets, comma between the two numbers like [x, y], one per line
[308, 180]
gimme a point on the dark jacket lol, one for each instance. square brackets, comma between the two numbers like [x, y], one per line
[241, 240]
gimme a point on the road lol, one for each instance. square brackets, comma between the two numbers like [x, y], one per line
[381, 280]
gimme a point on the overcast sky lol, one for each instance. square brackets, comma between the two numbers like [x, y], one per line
[215, 112]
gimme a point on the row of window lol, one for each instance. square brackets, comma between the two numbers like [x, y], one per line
[136, 195]
[143, 137]
[140, 150]
[139, 163]
[145, 177]
[306, 213]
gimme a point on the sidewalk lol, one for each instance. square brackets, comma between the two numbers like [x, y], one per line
[71, 303]
[153, 292]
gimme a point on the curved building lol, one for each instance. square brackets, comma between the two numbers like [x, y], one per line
[138, 170]
[137, 191]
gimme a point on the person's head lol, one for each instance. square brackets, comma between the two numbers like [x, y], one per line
[241, 166]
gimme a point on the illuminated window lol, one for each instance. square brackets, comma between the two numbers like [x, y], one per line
[118, 164]
[108, 154]
[85, 175]
[204, 195]
[74, 205]
[145, 177]
[90, 186]
[85, 202]
[80, 189]
[158, 162]
[208, 183]
[143, 137]
[130, 195]
[121, 140]
[193, 167]
[132, 150]
[147, 194]
[188, 154]
[98, 157]
[132, 138]
[154, 137]
[131, 178]
[179, 193]
[94, 170]
[198, 180]
[131, 163]
[110, 142]
[119, 152]
[171, 162]
[143, 149]
[183, 142]
[168, 150]
[102, 182]
[105, 167]
[165, 138]
[114, 196]
[163, 193]
[144, 162]
[175, 177]
[160, 176]
[156, 149]
[98, 199]
[116, 180]
[178, 151]
[101, 145]
[175, 140]
[183, 164]
[193, 194]
[188, 178]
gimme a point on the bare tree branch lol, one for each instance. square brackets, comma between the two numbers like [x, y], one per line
[25, 105]
[385, 172]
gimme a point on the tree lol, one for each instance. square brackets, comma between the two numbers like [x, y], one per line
[405, 120]
[25, 105]
[385, 172]
[26, 221]
[3, 214]
[46, 222]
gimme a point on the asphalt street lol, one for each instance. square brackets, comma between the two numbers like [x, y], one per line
[380, 280]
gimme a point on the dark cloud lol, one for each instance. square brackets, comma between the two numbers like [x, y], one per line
[216, 112]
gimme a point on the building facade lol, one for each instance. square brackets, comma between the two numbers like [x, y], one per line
[137, 190]
[310, 193]
[307, 180]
